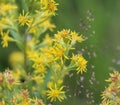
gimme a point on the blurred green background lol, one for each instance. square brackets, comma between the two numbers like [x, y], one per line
[101, 49]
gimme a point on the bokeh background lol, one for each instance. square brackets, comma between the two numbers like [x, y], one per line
[99, 22]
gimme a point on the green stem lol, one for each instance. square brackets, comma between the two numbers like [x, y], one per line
[25, 51]
[38, 23]
[70, 68]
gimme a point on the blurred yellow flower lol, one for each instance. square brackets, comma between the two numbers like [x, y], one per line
[5, 39]
[24, 19]
[48, 40]
[6, 7]
[18, 55]
[107, 103]
[3, 102]
[33, 30]
[76, 37]
[48, 25]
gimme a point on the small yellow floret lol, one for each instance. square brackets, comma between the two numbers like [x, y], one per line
[55, 93]
[24, 19]
[5, 39]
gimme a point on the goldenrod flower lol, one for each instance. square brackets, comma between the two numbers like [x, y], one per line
[63, 34]
[39, 79]
[76, 37]
[4, 22]
[5, 39]
[55, 93]
[24, 19]
[47, 25]
[114, 77]
[25, 102]
[58, 51]
[14, 55]
[111, 94]
[6, 7]
[33, 30]
[48, 40]
[33, 55]
[44, 63]
[55, 53]
[39, 68]
[50, 5]
[80, 62]
[108, 102]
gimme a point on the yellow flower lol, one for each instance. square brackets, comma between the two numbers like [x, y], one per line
[48, 57]
[25, 102]
[4, 22]
[55, 52]
[5, 39]
[17, 73]
[39, 68]
[50, 5]
[37, 62]
[76, 37]
[106, 103]
[3, 102]
[33, 30]
[18, 55]
[24, 19]
[39, 79]
[37, 101]
[44, 2]
[63, 34]
[48, 25]
[58, 51]
[31, 43]
[50, 84]
[60, 81]
[32, 55]
[114, 77]
[80, 62]
[55, 93]
[48, 40]
[6, 7]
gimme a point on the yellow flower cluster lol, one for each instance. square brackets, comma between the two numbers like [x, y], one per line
[80, 62]
[111, 94]
[39, 67]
